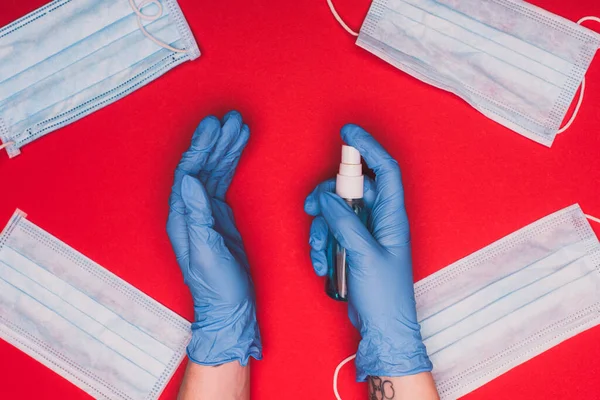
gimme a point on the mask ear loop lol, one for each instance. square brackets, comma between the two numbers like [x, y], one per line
[592, 218]
[352, 357]
[340, 20]
[582, 90]
[5, 145]
[141, 16]
[576, 111]
[336, 373]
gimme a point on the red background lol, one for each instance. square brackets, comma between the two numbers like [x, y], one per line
[102, 183]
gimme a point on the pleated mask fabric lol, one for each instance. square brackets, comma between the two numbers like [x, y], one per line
[70, 58]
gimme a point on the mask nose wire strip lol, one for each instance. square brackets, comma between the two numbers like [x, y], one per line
[336, 373]
[5, 145]
[582, 91]
[352, 357]
[141, 16]
[339, 19]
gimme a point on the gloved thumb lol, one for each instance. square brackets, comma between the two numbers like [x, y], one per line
[345, 225]
[197, 203]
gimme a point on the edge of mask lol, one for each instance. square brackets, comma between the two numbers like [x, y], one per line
[462, 389]
[183, 354]
[5, 138]
[14, 220]
[69, 118]
[25, 19]
[184, 28]
[519, 6]
[549, 14]
[575, 208]
[522, 7]
[175, 12]
[508, 366]
[546, 141]
[136, 295]
[163, 381]
[55, 364]
[11, 337]
[459, 390]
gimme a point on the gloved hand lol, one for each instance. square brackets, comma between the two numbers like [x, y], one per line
[381, 300]
[209, 247]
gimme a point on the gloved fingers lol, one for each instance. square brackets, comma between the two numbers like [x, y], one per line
[193, 160]
[224, 220]
[369, 192]
[214, 275]
[228, 165]
[179, 237]
[387, 171]
[197, 217]
[352, 313]
[204, 139]
[311, 204]
[198, 210]
[345, 226]
[225, 226]
[319, 231]
[388, 217]
[390, 226]
[230, 130]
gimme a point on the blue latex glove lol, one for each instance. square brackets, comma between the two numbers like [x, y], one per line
[381, 299]
[209, 247]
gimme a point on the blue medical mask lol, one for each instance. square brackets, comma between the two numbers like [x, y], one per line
[505, 304]
[514, 299]
[83, 322]
[516, 63]
[73, 57]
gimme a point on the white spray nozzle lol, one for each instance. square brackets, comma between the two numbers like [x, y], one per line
[349, 182]
[350, 155]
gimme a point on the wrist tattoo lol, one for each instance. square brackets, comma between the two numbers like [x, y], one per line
[380, 389]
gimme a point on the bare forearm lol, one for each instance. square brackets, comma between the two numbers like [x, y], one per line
[411, 387]
[229, 381]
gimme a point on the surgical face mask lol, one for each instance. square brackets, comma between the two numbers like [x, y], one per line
[70, 58]
[516, 63]
[507, 303]
[83, 322]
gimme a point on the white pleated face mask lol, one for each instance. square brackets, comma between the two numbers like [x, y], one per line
[509, 302]
[72, 57]
[83, 322]
[514, 62]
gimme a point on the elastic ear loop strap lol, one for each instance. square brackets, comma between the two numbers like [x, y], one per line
[339, 19]
[352, 357]
[5, 145]
[336, 373]
[592, 218]
[141, 16]
[582, 90]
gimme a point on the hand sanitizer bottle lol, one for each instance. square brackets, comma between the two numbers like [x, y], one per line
[349, 186]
